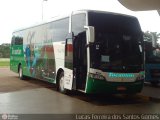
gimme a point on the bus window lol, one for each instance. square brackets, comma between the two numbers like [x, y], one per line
[60, 29]
[78, 23]
[119, 38]
[18, 40]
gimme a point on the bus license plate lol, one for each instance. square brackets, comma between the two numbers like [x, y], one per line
[121, 88]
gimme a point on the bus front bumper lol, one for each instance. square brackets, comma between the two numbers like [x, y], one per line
[95, 86]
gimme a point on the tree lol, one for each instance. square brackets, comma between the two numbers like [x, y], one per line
[151, 37]
[147, 36]
[5, 50]
[155, 35]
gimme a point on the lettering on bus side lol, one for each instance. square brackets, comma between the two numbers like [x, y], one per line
[16, 52]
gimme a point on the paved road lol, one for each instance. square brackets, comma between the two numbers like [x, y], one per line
[34, 96]
[152, 91]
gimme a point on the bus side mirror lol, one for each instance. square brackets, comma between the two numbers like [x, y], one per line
[90, 33]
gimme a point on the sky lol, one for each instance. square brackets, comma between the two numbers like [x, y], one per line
[16, 14]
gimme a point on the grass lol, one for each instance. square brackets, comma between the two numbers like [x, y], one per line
[4, 62]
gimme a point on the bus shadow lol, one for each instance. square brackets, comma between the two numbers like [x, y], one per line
[97, 99]
[102, 100]
[13, 84]
[36, 83]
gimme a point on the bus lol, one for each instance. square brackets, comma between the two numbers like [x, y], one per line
[89, 51]
[152, 63]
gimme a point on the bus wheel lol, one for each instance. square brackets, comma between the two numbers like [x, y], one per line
[21, 76]
[61, 83]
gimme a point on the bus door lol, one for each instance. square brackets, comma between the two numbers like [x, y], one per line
[80, 61]
[68, 70]
[75, 62]
[76, 53]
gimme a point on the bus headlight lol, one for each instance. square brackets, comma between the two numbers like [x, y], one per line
[140, 77]
[96, 76]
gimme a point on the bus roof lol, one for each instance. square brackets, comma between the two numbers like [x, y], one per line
[65, 16]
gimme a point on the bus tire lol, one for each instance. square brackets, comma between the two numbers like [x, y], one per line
[61, 83]
[20, 71]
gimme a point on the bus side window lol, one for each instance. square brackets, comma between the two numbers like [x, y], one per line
[60, 29]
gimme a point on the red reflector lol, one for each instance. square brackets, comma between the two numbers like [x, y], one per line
[121, 88]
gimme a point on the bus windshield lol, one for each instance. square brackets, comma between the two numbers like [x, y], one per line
[118, 43]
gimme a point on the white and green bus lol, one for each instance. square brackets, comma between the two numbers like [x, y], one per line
[88, 51]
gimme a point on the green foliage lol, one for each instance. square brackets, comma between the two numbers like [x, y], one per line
[5, 51]
[156, 35]
[148, 36]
